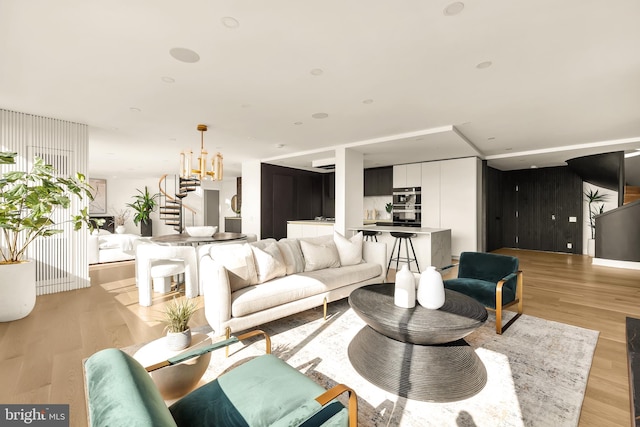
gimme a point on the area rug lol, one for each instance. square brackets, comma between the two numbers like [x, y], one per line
[537, 370]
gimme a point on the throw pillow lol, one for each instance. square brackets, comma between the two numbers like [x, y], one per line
[319, 256]
[238, 260]
[269, 262]
[292, 254]
[349, 250]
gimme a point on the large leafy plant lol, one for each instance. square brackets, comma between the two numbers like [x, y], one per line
[595, 201]
[28, 201]
[144, 204]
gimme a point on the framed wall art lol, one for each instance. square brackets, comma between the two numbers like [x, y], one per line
[99, 203]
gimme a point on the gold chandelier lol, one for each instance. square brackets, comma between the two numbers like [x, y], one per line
[215, 173]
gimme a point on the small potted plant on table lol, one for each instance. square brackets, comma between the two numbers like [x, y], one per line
[388, 207]
[177, 314]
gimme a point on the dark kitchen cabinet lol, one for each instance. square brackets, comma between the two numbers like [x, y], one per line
[378, 181]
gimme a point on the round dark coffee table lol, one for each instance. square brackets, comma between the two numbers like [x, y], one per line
[416, 352]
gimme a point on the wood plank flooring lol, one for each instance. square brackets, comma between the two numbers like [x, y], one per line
[41, 355]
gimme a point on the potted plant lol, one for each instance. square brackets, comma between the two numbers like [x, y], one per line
[388, 207]
[595, 207]
[28, 201]
[177, 314]
[119, 219]
[144, 204]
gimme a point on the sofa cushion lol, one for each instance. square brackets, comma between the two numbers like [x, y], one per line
[120, 392]
[319, 256]
[279, 395]
[480, 290]
[261, 244]
[269, 262]
[238, 260]
[292, 254]
[349, 250]
[295, 287]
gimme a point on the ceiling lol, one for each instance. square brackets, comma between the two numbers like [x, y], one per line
[521, 84]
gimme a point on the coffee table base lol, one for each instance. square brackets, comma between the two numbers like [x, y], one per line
[431, 373]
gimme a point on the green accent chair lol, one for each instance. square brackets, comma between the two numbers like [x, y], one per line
[264, 391]
[492, 279]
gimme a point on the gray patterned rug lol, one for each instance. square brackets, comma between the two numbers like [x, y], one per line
[537, 371]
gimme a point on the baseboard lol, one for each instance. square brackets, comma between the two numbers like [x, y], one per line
[616, 263]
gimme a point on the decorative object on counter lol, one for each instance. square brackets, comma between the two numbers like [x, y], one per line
[176, 316]
[201, 231]
[389, 208]
[405, 292]
[144, 204]
[431, 289]
[119, 219]
[374, 214]
[367, 214]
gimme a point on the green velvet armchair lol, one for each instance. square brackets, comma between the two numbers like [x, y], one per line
[264, 391]
[492, 279]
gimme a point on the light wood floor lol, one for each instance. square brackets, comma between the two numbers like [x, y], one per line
[41, 355]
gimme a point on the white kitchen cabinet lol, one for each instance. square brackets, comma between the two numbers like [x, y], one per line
[430, 194]
[308, 229]
[407, 175]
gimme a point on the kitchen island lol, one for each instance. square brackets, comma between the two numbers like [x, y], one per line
[432, 245]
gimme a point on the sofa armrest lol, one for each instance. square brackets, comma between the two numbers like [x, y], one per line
[375, 253]
[214, 282]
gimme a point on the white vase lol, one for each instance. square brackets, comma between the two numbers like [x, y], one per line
[431, 289]
[120, 229]
[17, 290]
[179, 340]
[405, 292]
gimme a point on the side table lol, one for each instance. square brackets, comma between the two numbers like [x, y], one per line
[175, 381]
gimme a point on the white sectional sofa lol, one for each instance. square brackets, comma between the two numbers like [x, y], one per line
[246, 285]
[103, 246]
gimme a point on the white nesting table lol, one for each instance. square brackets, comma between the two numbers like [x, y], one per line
[175, 381]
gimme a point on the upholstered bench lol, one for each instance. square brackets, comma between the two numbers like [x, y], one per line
[265, 391]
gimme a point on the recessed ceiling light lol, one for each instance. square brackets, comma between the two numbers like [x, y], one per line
[508, 149]
[317, 72]
[368, 101]
[184, 55]
[246, 105]
[491, 138]
[453, 8]
[172, 139]
[485, 64]
[135, 109]
[279, 145]
[534, 167]
[168, 79]
[297, 123]
[320, 115]
[230, 22]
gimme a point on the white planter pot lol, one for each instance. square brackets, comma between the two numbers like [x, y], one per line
[178, 340]
[17, 290]
[591, 247]
[120, 229]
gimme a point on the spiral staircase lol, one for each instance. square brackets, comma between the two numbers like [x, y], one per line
[171, 205]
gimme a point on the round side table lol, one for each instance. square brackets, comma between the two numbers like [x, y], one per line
[175, 381]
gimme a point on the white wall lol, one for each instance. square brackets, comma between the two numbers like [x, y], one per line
[611, 203]
[349, 189]
[251, 183]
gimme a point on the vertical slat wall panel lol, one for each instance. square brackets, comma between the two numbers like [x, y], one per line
[62, 263]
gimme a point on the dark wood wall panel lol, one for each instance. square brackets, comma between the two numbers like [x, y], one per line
[544, 199]
[288, 194]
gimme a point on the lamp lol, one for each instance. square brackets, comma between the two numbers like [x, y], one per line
[201, 173]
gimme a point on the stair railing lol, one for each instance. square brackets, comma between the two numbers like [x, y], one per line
[172, 208]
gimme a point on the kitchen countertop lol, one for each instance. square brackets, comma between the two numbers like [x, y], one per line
[311, 222]
[390, 228]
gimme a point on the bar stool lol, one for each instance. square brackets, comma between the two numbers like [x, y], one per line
[370, 235]
[407, 241]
